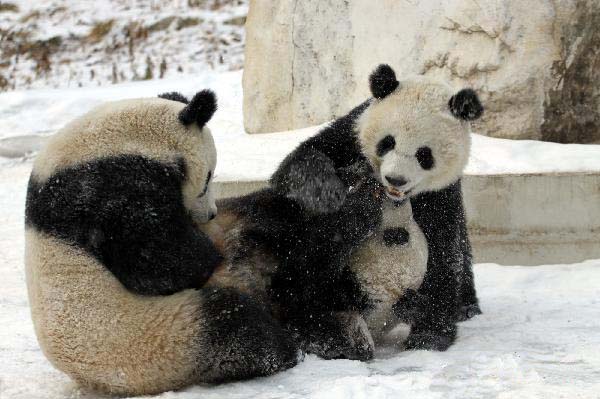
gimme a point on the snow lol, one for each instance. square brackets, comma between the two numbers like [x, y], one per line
[65, 43]
[538, 337]
[28, 117]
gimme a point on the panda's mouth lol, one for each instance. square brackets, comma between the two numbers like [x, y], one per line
[395, 194]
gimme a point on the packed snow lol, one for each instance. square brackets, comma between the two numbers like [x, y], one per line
[538, 337]
[28, 117]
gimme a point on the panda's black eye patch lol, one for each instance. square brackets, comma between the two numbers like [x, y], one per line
[206, 184]
[385, 145]
[425, 158]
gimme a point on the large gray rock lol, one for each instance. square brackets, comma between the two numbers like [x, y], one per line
[534, 63]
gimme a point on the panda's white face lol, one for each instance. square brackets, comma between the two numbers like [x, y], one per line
[203, 208]
[413, 141]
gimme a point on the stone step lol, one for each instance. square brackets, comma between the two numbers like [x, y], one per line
[519, 219]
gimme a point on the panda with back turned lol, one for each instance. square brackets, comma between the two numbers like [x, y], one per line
[118, 275]
[415, 135]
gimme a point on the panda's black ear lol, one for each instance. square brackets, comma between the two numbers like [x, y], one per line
[174, 96]
[465, 105]
[200, 109]
[383, 81]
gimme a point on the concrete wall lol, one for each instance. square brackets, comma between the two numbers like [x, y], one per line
[527, 219]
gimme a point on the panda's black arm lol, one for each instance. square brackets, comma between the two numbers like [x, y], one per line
[439, 214]
[127, 212]
[309, 173]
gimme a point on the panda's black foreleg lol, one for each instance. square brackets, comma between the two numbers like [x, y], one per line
[309, 177]
[333, 335]
[469, 303]
[434, 319]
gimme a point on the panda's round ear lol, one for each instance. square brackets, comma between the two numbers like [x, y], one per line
[383, 81]
[174, 96]
[465, 105]
[200, 109]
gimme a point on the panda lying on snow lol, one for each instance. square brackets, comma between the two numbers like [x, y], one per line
[117, 272]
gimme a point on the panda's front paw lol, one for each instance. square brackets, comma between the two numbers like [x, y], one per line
[312, 181]
[321, 194]
[429, 341]
[467, 312]
[339, 335]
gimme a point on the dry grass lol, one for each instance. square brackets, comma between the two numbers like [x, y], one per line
[8, 7]
[99, 31]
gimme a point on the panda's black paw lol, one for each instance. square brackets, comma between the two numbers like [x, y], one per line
[355, 174]
[430, 341]
[467, 312]
[340, 335]
[312, 181]
[321, 194]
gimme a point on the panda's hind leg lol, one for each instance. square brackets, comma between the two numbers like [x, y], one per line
[240, 339]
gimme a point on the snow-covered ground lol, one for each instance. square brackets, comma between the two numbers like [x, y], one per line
[539, 337]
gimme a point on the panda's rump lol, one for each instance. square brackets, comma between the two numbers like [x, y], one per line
[102, 335]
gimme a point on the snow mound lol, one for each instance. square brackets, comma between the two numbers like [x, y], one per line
[538, 337]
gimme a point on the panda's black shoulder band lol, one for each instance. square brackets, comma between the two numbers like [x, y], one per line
[383, 81]
[200, 109]
[465, 105]
[174, 96]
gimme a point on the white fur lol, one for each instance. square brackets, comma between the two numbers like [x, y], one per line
[386, 272]
[416, 114]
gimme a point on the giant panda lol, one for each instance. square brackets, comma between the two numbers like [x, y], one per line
[297, 263]
[415, 134]
[118, 274]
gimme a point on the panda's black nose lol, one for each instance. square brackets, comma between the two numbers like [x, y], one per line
[396, 181]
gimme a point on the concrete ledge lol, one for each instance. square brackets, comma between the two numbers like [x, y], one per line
[529, 219]
[519, 219]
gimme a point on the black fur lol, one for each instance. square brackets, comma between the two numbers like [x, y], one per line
[448, 292]
[465, 105]
[395, 236]
[240, 339]
[127, 212]
[332, 335]
[200, 109]
[385, 145]
[174, 96]
[310, 174]
[448, 284]
[383, 81]
[312, 252]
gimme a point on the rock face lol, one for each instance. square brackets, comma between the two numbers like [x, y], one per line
[535, 64]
